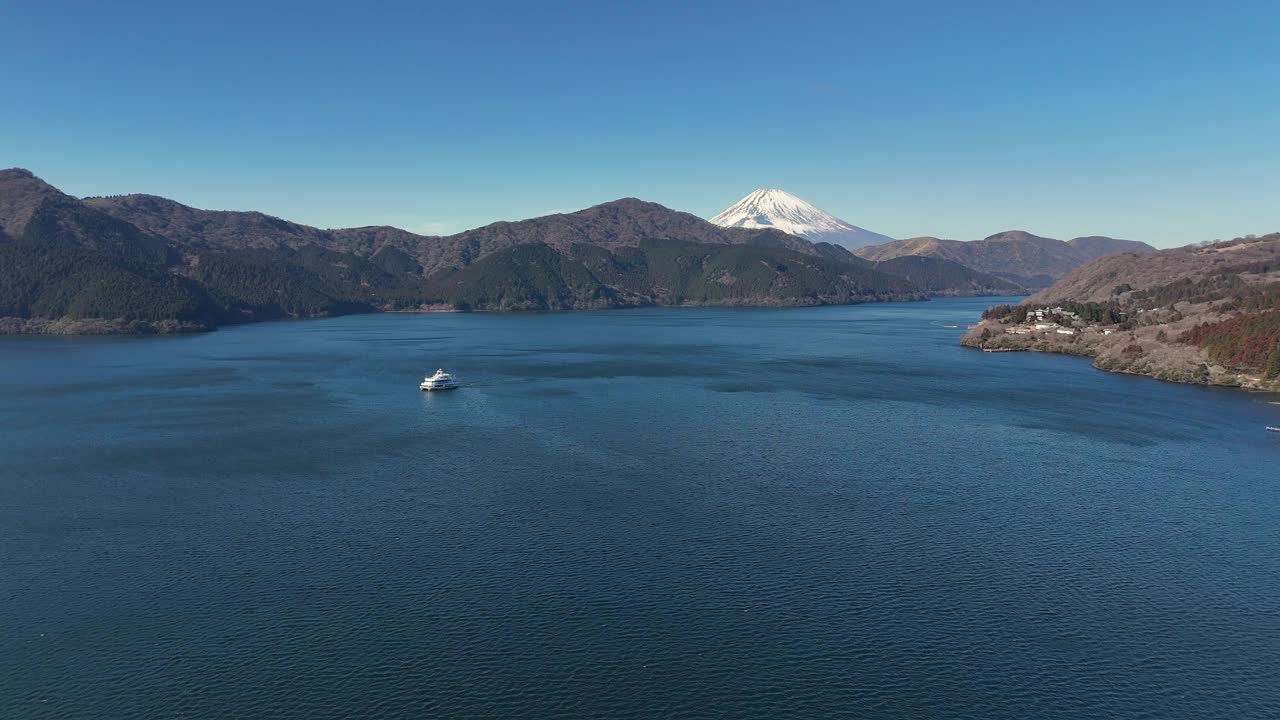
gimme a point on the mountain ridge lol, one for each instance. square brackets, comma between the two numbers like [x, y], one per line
[143, 263]
[1031, 260]
[618, 223]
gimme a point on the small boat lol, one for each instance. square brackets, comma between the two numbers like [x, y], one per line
[441, 380]
[1273, 429]
[950, 326]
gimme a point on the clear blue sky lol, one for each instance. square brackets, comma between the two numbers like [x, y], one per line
[1157, 121]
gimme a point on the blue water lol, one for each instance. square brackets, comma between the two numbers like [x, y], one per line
[829, 512]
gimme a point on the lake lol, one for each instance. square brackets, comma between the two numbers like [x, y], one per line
[675, 513]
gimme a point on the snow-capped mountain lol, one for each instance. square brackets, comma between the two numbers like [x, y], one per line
[788, 213]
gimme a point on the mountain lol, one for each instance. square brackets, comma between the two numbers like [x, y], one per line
[70, 267]
[613, 225]
[938, 276]
[1203, 314]
[618, 224]
[30, 207]
[1029, 260]
[1244, 261]
[621, 223]
[142, 263]
[1096, 246]
[783, 211]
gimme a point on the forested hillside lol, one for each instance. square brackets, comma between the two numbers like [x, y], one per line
[945, 277]
[141, 263]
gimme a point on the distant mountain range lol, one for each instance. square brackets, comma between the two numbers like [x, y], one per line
[783, 211]
[1016, 260]
[613, 225]
[141, 263]
[1018, 256]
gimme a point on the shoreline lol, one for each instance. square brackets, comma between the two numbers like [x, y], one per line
[120, 327]
[1154, 358]
[88, 327]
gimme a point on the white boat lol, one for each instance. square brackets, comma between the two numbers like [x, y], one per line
[1273, 429]
[441, 380]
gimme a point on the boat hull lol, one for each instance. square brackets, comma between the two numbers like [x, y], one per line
[438, 388]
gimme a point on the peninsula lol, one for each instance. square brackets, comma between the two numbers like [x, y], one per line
[1207, 314]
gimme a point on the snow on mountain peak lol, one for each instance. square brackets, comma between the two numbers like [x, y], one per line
[777, 208]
